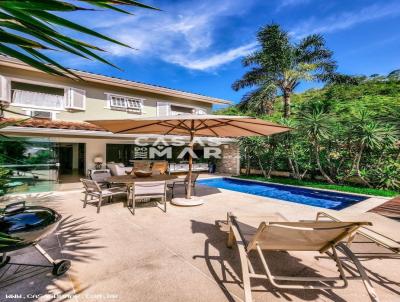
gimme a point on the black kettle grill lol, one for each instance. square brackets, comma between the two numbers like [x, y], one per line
[27, 225]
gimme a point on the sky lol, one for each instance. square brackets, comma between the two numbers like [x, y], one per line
[197, 46]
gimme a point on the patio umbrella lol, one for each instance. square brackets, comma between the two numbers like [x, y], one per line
[193, 125]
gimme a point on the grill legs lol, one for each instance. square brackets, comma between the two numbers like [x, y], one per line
[59, 266]
[4, 259]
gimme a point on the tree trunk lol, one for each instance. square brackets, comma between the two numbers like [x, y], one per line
[261, 166]
[357, 166]
[271, 162]
[294, 174]
[247, 162]
[321, 170]
[286, 104]
[269, 107]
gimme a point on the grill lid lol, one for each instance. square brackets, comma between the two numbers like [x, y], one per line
[19, 218]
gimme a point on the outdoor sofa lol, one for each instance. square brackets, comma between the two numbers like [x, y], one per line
[178, 168]
[118, 169]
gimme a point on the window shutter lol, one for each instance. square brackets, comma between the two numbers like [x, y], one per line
[5, 90]
[76, 99]
[163, 109]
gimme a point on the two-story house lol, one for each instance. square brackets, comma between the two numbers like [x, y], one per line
[57, 134]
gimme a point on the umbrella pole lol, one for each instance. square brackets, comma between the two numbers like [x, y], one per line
[189, 184]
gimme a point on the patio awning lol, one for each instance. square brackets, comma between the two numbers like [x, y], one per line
[199, 125]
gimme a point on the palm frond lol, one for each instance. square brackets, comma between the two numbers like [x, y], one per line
[28, 27]
[259, 101]
[251, 78]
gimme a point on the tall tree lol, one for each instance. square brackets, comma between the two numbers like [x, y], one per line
[368, 134]
[28, 27]
[316, 124]
[280, 65]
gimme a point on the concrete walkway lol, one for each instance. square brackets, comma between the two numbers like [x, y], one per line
[170, 257]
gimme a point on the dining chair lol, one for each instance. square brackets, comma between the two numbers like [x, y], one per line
[184, 182]
[150, 189]
[159, 167]
[100, 176]
[93, 189]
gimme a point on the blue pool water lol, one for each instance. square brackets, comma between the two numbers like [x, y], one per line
[312, 197]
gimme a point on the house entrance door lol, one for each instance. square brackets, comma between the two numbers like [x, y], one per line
[71, 157]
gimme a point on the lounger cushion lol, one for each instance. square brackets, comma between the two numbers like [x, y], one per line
[248, 224]
[275, 233]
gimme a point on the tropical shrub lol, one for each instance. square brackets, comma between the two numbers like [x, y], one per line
[343, 133]
[4, 179]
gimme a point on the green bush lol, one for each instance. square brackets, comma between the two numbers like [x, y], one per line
[4, 179]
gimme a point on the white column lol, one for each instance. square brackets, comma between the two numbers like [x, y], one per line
[75, 156]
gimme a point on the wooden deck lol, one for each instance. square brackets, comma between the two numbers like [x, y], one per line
[390, 208]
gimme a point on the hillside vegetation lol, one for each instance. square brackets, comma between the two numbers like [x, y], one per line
[380, 96]
[343, 132]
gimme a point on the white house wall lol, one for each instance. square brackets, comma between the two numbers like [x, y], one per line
[96, 97]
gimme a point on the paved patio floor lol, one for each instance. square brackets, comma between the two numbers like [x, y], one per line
[170, 257]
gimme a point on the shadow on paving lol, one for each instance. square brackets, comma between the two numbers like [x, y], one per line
[367, 251]
[29, 274]
[199, 191]
[179, 191]
[225, 267]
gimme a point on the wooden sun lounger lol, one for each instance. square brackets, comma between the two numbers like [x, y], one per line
[273, 233]
[383, 231]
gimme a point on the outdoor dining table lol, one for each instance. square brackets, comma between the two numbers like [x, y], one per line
[129, 180]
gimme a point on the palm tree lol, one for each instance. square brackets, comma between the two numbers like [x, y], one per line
[28, 27]
[316, 124]
[368, 135]
[280, 65]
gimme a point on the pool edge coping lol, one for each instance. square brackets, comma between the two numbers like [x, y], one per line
[310, 188]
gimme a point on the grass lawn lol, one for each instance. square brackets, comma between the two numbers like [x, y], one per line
[322, 185]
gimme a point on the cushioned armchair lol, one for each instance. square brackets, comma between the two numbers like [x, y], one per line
[118, 169]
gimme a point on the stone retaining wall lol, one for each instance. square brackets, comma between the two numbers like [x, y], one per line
[230, 161]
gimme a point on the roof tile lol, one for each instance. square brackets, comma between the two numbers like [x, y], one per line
[51, 124]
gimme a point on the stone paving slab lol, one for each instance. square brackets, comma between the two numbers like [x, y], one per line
[175, 256]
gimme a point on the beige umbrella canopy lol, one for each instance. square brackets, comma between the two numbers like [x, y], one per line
[193, 125]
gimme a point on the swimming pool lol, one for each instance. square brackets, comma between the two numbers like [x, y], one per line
[308, 196]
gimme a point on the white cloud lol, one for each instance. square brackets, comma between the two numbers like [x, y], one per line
[215, 60]
[347, 19]
[186, 35]
[286, 3]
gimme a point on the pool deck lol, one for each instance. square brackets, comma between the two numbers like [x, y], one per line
[175, 256]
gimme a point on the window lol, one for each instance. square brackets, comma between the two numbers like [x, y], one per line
[125, 103]
[133, 104]
[37, 96]
[50, 115]
[41, 114]
[166, 109]
[178, 110]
